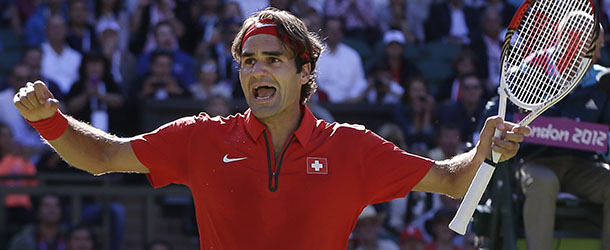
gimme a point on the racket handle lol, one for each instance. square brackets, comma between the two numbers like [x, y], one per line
[495, 156]
[471, 199]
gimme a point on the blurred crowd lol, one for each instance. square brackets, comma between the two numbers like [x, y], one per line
[436, 62]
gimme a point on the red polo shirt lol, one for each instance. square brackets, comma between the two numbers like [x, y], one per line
[309, 199]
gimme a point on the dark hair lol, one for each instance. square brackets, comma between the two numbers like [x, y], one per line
[115, 9]
[162, 23]
[288, 26]
[78, 227]
[95, 57]
[160, 52]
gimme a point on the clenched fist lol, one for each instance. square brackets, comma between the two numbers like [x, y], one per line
[35, 102]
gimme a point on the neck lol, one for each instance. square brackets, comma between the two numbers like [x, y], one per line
[57, 47]
[281, 128]
[48, 231]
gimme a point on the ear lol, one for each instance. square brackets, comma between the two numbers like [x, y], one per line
[305, 72]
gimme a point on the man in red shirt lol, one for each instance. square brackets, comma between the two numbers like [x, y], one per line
[274, 177]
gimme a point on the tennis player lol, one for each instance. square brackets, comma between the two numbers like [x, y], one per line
[274, 177]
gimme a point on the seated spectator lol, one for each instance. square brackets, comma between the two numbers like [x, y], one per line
[366, 232]
[29, 143]
[448, 142]
[415, 115]
[452, 21]
[218, 105]
[208, 83]
[488, 48]
[467, 111]
[466, 63]
[144, 21]
[18, 206]
[441, 234]
[32, 58]
[166, 39]
[160, 83]
[411, 238]
[59, 62]
[159, 245]
[122, 62]
[95, 97]
[81, 237]
[200, 19]
[46, 232]
[340, 73]
[9, 17]
[81, 33]
[37, 22]
[113, 11]
[359, 17]
[393, 16]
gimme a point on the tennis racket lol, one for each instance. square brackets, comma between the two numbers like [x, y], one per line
[547, 49]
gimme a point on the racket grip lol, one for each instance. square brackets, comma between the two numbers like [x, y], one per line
[495, 156]
[473, 196]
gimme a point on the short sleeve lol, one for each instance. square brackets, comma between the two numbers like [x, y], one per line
[164, 151]
[389, 171]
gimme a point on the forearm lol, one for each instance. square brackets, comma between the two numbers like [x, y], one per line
[459, 172]
[87, 148]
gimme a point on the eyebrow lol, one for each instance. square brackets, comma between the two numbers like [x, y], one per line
[267, 53]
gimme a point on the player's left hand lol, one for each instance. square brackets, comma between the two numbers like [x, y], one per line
[507, 144]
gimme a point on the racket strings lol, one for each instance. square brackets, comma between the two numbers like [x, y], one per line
[552, 61]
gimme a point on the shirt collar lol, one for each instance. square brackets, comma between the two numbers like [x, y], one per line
[255, 128]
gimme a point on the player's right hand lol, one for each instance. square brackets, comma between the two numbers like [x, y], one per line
[35, 102]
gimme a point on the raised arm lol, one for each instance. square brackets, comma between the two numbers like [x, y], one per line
[80, 144]
[453, 176]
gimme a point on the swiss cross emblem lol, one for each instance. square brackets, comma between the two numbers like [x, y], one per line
[317, 165]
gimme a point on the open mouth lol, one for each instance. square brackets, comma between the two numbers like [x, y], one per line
[263, 92]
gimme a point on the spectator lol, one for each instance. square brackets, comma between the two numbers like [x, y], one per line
[95, 97]
[505, 10]
[221, 52]
[360, 20]
[464, 64]
[366, 232]
[9, 16]
[12, 163]
[29, 142]
[159, 245]
[218, 105]
[122, 62]
[452, 21]
[394, 17]
[46, 232]
[160, 83]
[340, 72]
[467, 111]
[201, 19]
[145, 19]
[448, 141]
[81, 34]
[488, 48]
[32, 58]
[411, 238]
[165, 39]
[81, 237]
[548, 170]
[392, 70]
[37, 23]
[415, 115]
[59, 62]
[441, 234]
[208, 83]
[112, 11]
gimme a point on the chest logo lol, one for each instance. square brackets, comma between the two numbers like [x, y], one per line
[317, 165]
[226, 159]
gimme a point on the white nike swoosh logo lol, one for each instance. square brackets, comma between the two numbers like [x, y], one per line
[226, 159]
[260, 25]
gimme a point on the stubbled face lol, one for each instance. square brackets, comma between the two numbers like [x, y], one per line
[269, 77]
[80, 240]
